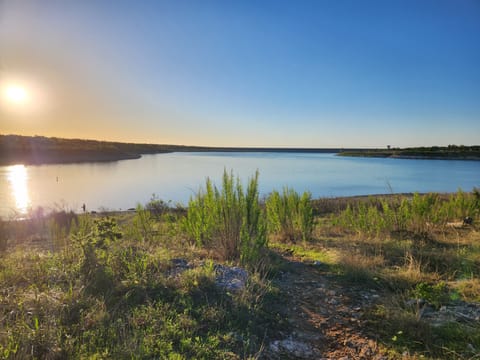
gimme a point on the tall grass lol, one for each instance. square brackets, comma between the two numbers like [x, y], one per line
[417, 214]
[229, 219]
[290, 216]
[143, 224]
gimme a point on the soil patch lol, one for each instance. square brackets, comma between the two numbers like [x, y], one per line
[326, 316]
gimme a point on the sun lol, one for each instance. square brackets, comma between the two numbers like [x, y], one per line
[16, 94]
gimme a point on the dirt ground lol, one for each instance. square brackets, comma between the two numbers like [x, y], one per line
[325, 316]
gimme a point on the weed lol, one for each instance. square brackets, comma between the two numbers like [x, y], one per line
[417, 214]
[290, 216]
[143, 224]
[228, 220]
[469, 289]
[157, 207]
[436, 295]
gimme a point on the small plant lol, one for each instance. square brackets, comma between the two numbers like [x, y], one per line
[417, 214]
[437, 294]
[94, 268]
[157, 207]
[229, 219]
[290, 215]
[143, 224]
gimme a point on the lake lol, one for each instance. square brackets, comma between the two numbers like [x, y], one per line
[176, 176]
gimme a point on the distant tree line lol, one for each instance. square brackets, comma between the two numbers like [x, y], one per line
[450, 152]
[16, 149]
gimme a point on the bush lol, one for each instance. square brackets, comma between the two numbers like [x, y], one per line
[94, 268]
[228, 220]
[143, 224]
[157, 206]
[290, 215]
[437, 295]
[417, 214]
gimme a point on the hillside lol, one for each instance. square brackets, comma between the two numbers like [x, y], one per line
[16, 149]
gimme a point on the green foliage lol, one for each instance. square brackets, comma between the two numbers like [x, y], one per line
[95, 272]
[229, 219]
[120, 300]
[417, 214]
[290, 215]
[157, 207]
[143, 224]
[436, 295]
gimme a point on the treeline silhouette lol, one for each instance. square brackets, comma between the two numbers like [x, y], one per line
[450, 152]
[15, 149]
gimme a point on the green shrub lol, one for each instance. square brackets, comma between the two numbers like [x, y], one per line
[157, 207]
[290, 215]
[437, 294]
[228, 219]
[95, 272]
[417, 214]
[143, 224]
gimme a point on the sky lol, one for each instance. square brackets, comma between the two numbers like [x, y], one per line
[319, 73]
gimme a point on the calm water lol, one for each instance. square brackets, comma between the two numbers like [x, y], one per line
[176, 176]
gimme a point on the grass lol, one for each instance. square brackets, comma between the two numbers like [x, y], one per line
[108, 296]
[98, 286]
[403, 247]
[229, 219]
[289, 215]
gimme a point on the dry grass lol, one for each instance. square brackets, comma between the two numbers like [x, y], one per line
[469, 289]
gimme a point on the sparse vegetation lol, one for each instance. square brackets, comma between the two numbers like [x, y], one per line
[417, 214]
[108, 295]
[143, 285]
[228, 219]
[290, 216]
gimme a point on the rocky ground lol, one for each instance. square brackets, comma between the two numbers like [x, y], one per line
[325, 317]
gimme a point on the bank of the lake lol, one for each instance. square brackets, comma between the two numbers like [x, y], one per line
[451, 152]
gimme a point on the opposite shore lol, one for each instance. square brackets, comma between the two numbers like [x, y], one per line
[36, 150]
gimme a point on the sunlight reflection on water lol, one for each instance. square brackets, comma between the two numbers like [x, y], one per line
[17, 177]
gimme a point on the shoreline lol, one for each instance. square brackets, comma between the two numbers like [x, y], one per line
[38, 150]
[467, 153]
[413, 157]
[42, 159]
[320, 204]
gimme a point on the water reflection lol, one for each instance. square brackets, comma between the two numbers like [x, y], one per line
[17, 177]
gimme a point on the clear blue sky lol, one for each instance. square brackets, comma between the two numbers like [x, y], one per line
[320, 73]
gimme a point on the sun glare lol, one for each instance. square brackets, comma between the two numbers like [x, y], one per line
[16, 94]
[17, 176]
